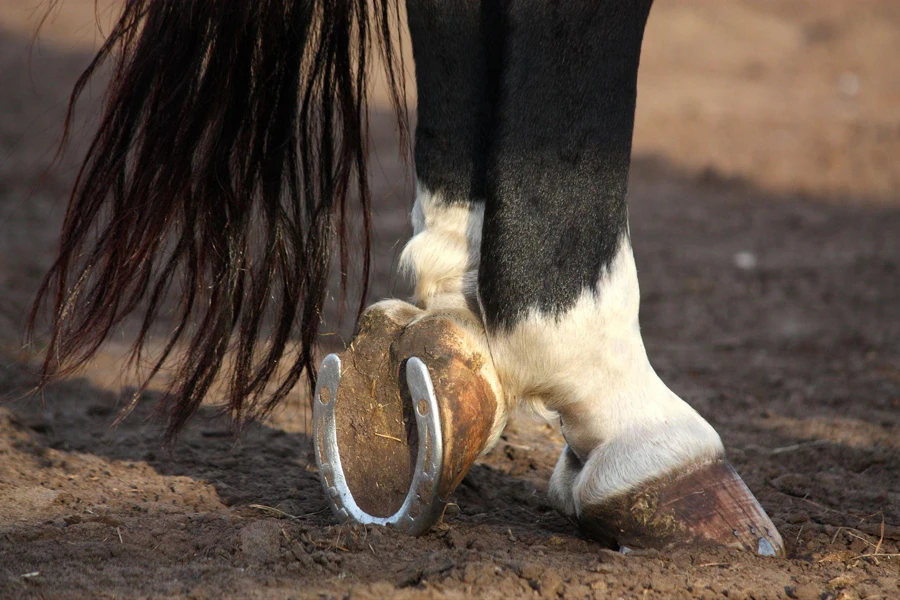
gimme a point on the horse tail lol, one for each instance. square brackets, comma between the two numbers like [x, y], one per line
[230, 156]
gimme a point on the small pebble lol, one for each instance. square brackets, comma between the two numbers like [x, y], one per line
[849, 84]
[744, 260]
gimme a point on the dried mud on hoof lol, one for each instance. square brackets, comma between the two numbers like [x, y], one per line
[709, 505]
[400, 417]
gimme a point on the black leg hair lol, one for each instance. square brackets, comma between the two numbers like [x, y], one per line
[560, 153]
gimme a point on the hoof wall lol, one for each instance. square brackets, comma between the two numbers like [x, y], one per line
[710, 505]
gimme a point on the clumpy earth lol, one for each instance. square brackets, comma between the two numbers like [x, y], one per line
[765, 210]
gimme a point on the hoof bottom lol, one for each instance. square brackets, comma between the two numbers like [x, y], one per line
[398, 420]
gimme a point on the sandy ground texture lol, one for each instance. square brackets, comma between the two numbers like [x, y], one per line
[765, 210]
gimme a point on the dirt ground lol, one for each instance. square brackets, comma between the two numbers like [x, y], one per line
[765, 211]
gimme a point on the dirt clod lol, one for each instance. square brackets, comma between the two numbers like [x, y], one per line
[260, 541]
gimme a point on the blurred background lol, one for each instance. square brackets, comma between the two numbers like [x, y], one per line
[765, 212]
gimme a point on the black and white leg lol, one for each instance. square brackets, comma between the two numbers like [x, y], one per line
[559, 289]
[428, 365]
[454, 45]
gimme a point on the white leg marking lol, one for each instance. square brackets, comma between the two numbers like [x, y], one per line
[562, 484]
[443, 255]
[442, 260]
[590, 366]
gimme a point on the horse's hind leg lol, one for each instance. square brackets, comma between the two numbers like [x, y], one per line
[375, 423]
[454, 47]
[452, 76]
[559, 289]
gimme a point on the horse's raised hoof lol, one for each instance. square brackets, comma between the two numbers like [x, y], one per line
[708, 505]
[399, 418]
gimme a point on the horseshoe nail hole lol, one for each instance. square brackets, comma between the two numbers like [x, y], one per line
[422, 407]
[324, 395]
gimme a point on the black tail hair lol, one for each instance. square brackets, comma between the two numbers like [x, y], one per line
[231, 152]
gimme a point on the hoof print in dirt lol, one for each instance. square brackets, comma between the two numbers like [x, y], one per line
[399, 419]
[709, 505]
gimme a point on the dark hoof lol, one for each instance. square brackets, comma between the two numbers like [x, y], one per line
[709, 505]
[399, 418]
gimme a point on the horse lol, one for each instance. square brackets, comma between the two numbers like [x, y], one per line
[230, 164]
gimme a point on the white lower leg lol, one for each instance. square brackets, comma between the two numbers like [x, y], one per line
[622, 424]
[443, 255]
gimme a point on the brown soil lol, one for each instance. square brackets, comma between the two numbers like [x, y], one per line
[766, 223]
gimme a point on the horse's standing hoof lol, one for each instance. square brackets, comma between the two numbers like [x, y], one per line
[399, 418]
[709, 505]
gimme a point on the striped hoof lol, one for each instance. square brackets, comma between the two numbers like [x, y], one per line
[708, 505]
[399, 418]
